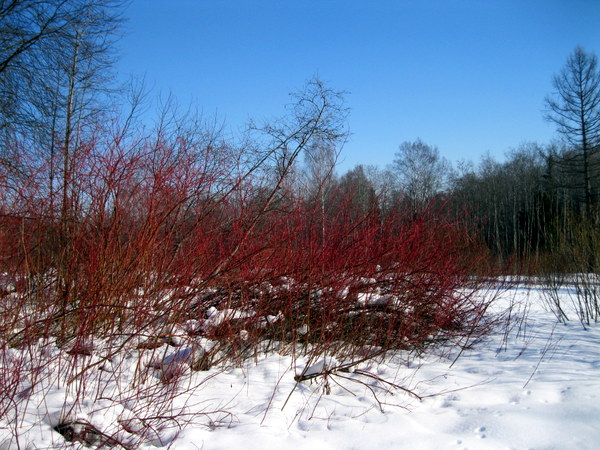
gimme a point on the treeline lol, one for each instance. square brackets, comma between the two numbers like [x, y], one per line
[530, 210]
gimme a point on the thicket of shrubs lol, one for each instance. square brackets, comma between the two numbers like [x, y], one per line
[149, 242]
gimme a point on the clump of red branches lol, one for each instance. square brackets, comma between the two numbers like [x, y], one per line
[177, 240]
[368, 283]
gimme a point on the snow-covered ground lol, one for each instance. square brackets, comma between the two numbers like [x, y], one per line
[535, 385]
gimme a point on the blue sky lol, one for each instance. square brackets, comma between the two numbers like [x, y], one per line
[468, 76]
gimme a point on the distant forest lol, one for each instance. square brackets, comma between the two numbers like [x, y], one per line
[531, 210]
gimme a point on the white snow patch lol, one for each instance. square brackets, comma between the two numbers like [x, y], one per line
[535, 387]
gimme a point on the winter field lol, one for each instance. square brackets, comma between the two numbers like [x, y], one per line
[173, 280]
[533, 383]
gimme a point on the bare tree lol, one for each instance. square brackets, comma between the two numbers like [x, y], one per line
[24, 24]
[55, 81]
[319, 168]
[37, 38]
[356, 186]
[319, 176]
[317, 115]
[574, 107]
[422, 172]
[385, 183]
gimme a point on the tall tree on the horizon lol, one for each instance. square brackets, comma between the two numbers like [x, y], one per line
[574, 107]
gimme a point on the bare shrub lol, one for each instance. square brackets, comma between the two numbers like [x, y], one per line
[574, 254]
[185, 252]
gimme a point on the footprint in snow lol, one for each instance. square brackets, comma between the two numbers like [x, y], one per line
[480, 431]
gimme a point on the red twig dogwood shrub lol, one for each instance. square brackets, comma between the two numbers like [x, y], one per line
[368, 283]
[157, 241]
[105, 275]
[177, 251]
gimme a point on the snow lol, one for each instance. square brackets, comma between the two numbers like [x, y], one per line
[532, 384]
